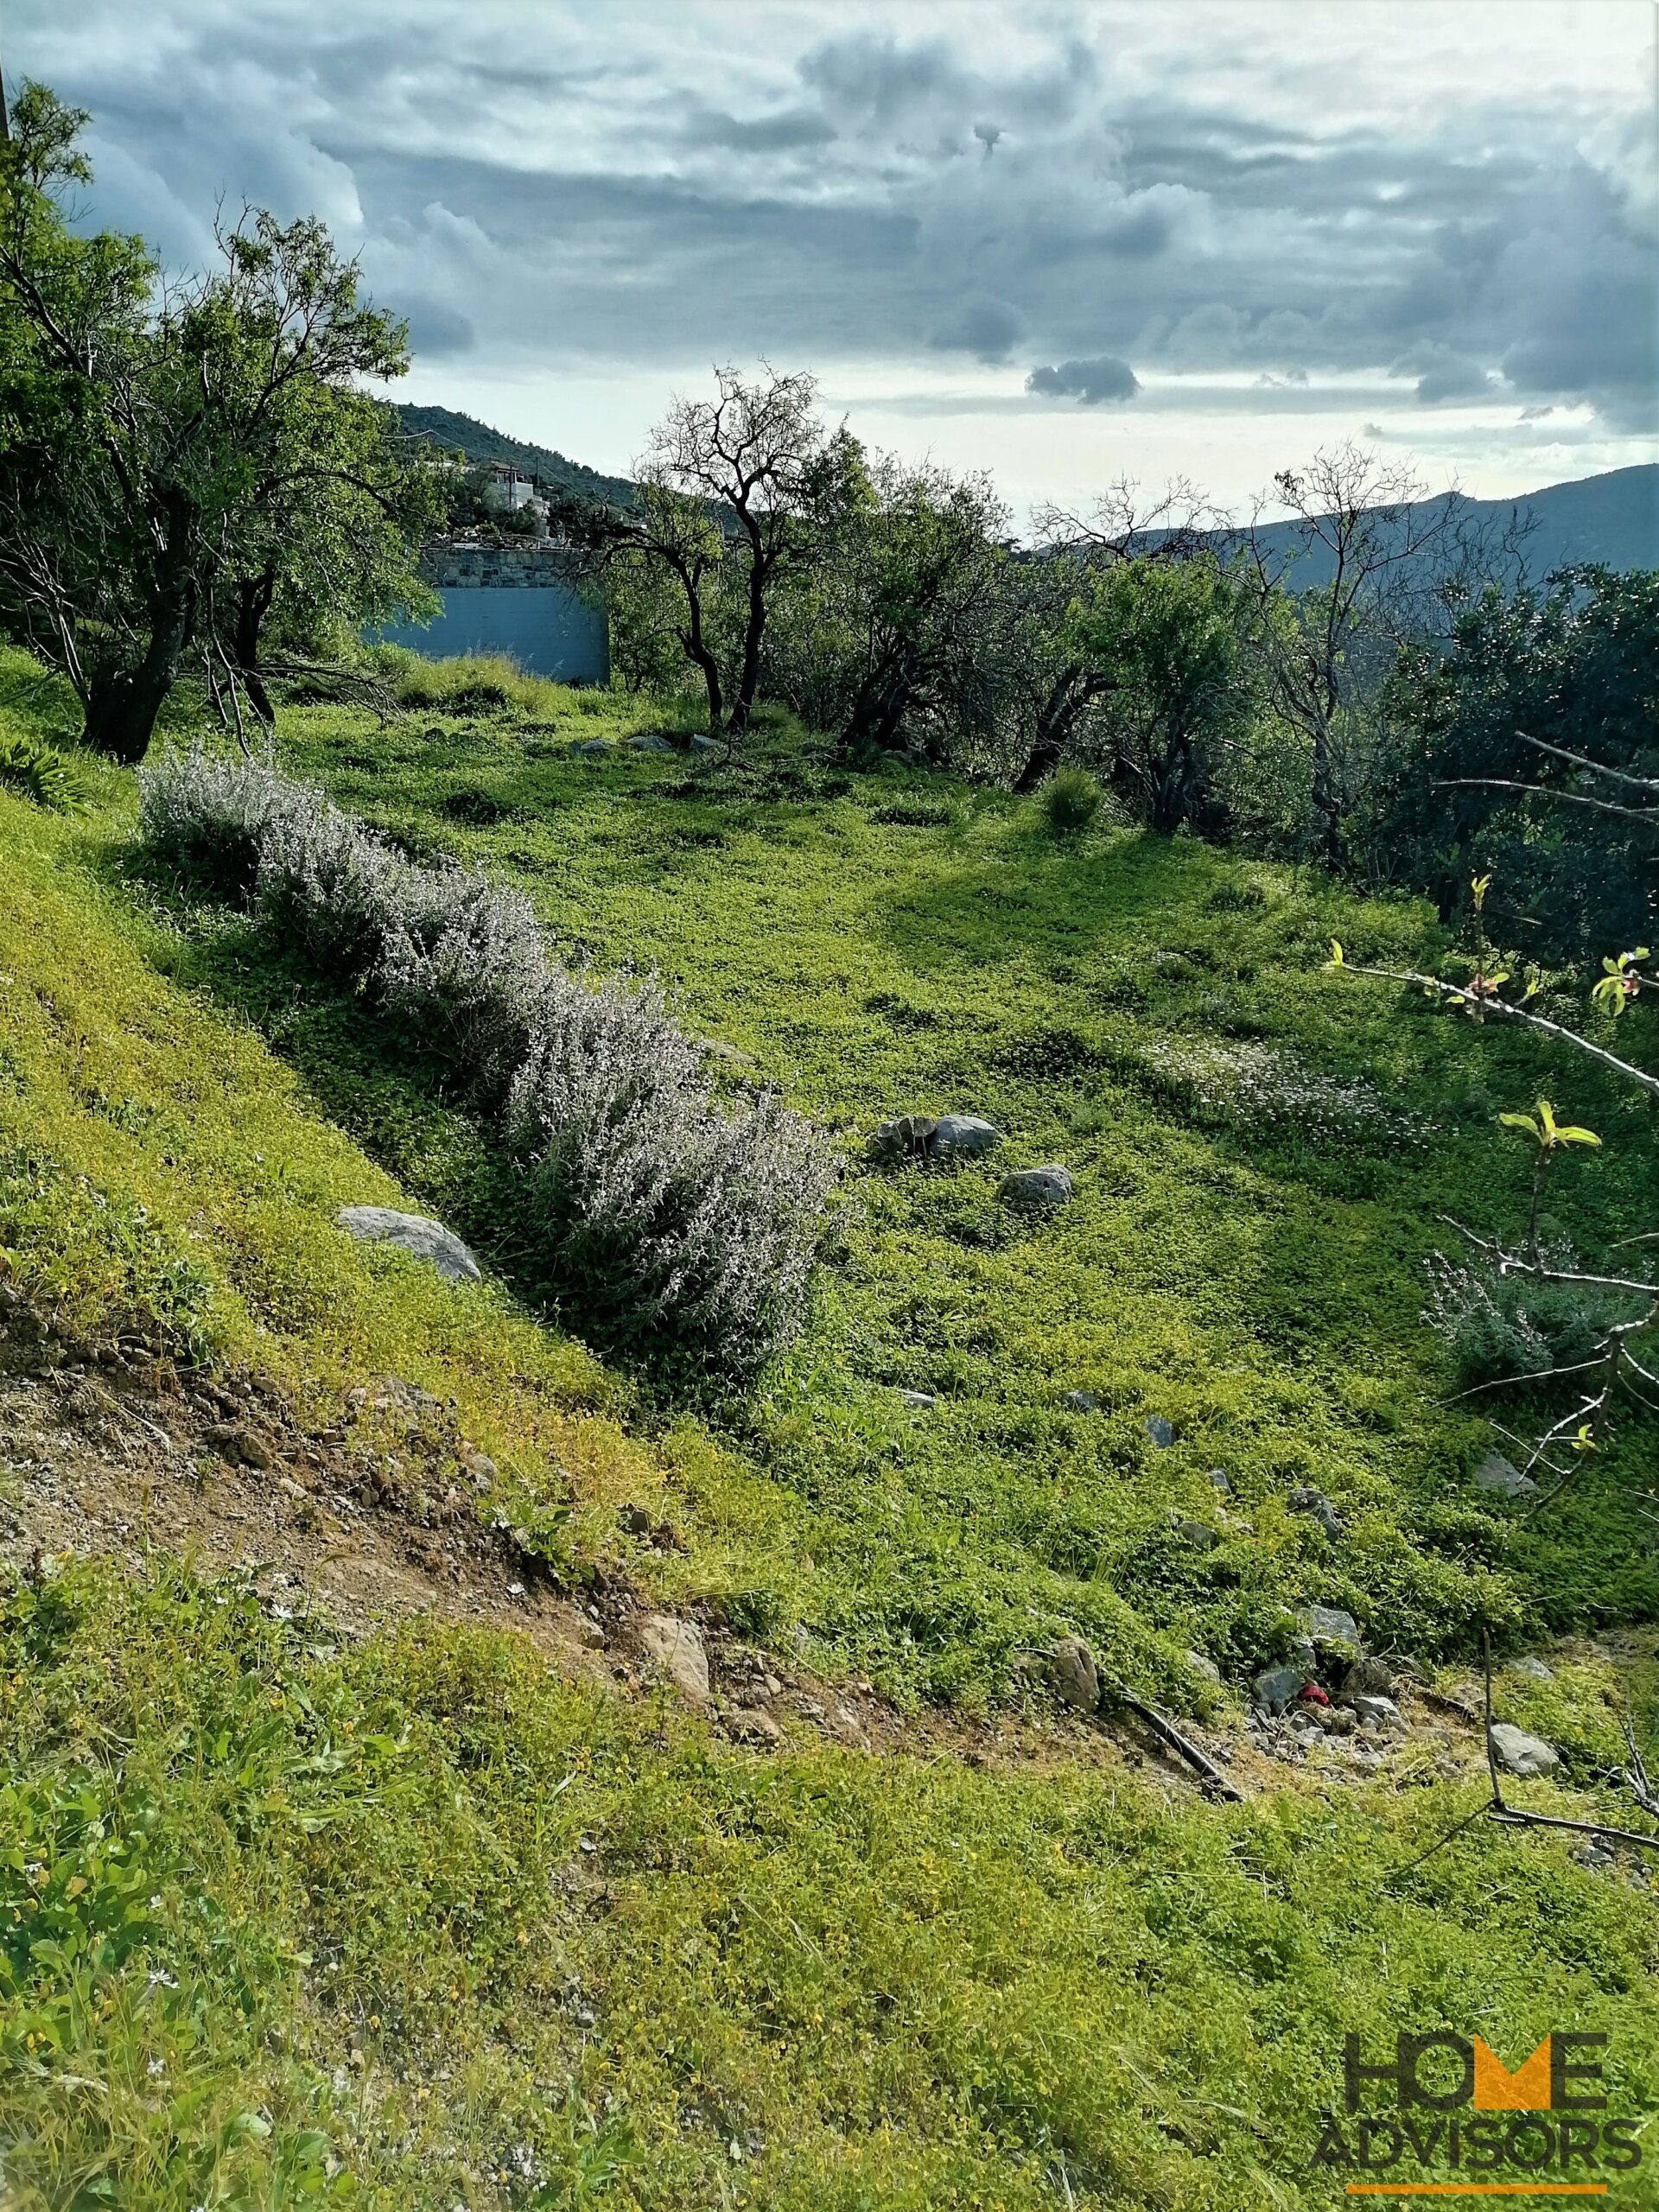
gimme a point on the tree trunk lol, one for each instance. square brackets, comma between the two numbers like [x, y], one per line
[879, 709]
[122, 708]
[748, 679]
[254, 596]
[1055, 718]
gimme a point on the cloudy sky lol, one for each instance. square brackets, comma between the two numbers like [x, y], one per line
[1060, 239]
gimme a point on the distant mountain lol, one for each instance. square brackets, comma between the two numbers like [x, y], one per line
[1612, 520]
[441, 426]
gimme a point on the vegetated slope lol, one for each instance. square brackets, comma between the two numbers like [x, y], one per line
[419, 1919]
[454, 433]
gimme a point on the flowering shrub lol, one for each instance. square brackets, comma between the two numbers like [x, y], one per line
[1244, 1084]
[668, 1228]
[1504, 1327]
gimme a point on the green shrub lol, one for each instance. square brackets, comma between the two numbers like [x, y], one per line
[41, 772]
[469, 683]
[1069, 802]
[1501, 1327]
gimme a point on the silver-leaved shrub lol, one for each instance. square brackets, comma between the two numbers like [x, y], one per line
[667, 1227]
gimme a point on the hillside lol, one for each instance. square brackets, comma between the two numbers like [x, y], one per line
[342, 1767]
[442, 426]
[1611, 519]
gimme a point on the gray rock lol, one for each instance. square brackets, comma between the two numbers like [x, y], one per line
[1533, 1669]
[1522, 1754]
[1383, 1710]
[1159, 1431]
[590, 748]
[751, 1725]
[1305, 1499]
[702, 742]
[1279, 1686]
[1081, 1402]
[649, 740]
[907, 1137]
[1039, 1189]
[1217, 1478]
[1337, 1720]
[963, 1136]
[1201, 1663]
[1071, 1672]
[717, 1049]
[1329, 1624]
[917, 1401]
[677, 1648]
[1368, 1678]
[412, 1232]
[1497, 1474]
[1198, 1533]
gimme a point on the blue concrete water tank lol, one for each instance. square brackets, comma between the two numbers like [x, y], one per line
[549, 629]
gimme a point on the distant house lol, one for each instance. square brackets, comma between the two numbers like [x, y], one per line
[521, 599]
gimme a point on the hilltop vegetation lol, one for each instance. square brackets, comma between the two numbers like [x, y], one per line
[418, 1919]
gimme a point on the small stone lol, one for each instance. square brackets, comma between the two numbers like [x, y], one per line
[1383, 1710]
[677, 1648]
[1329, 1624]
[1535, 1669]
[1159, 1430]
[702, 742]
[649, 740]
[917, 1401]
[1498, 1474]
[414, 1232]
[243, 1447]
[751, 1726]
[590, 748]
[1338, 1720]
[1071, 1672]
[1304, 1499]
[717, 1049]
[1201, 1663]
[1037, 1189]
[591, 1636]
[1522, 1754]
[963, 1136]
[1217, 1480]
[1198, 1533]
[1278, 1686]
[1081, 1402]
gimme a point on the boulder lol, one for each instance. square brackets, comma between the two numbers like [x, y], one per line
[1497, 1474]
[677, 1648]
[906, 1138]
[1329, 1624]
[1201, 1663]
[411, 1232]
[1161, 1432]
[649, 740]
[1217, 1478]
[702, 742]
[1314, 1503]
[1279, 1686]
[1533, 1669]
[1071, 1672]
[1081, 1402]
[963, 1136]
[590, 748]
[1522, 1754]
[1039, 1189]
[1368, 1678]
[1198, 1533]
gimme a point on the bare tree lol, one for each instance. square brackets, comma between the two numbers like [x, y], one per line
[1364, 562]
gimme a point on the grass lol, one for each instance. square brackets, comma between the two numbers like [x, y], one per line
[416, 1921]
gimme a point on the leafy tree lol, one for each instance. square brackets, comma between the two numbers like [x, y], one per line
[163, 445]
[1512, 749]
[1161, 641]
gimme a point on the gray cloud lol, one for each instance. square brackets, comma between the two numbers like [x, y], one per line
[567, 186]
[1104, 378]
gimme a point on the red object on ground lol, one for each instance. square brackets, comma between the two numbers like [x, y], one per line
[1314, 1696]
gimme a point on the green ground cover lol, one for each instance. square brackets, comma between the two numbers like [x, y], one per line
[288, 1923]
